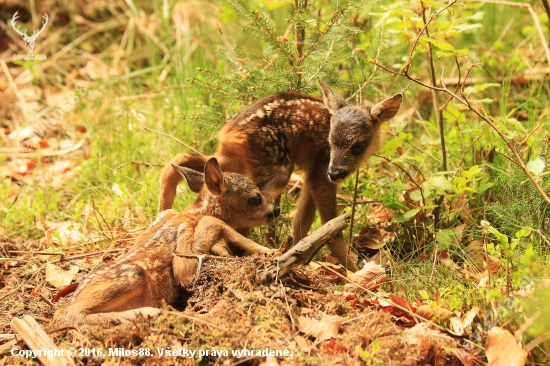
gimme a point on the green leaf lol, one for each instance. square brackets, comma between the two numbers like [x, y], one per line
[517, 125]
[445, 237]
[441, 182]
[494, 294]
[424, 294]
[471, 172]
[522, 233]
[536, 166]
[463, 52]
[477, 16]
[445, 46]
[502, 238]
[416, 195]
[480, 87]
[484, 100]
[528, 30]
[429, 207]
[406, 216]
[452, 114]
[466, 27]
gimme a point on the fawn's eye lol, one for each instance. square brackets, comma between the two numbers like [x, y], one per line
[255, 201]
[358, 148]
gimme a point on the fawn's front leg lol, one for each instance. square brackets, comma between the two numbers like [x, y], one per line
[324, 195]
[208, 232]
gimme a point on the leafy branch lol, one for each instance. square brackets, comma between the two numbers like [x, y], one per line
[476, 109]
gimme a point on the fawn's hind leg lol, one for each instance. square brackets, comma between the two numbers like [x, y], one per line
[305, 213]
[170, 178]
[110, 299]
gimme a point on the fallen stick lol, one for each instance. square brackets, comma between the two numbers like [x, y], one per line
[37, 340]
[18, 154]
[6, 337]
[306, 248]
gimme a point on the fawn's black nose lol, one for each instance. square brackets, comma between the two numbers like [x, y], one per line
[336, 175]
[276, 211]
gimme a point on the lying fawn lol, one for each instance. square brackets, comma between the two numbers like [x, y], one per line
[326, 138]
[150, 275]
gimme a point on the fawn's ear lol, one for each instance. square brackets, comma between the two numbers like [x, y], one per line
[194, 179]
[386, 109]
[332, 100]
[213, 176]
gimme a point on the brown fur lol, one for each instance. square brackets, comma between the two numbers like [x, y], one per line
[288, 131]
[150, 275]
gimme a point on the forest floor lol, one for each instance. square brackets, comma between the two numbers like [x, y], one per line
[231, 319]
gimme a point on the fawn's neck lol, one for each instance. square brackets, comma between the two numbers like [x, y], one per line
[206, 204]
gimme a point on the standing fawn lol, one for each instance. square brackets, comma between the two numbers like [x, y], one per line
[150, 275]
[326, 138]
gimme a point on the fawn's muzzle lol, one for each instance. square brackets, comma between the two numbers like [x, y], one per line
[337, 175]
[276, 211]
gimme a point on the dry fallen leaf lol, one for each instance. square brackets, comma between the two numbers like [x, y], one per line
[302, 344]
[332, 346]
[369, 277]
[502, 349]
[59, 277]
[336, 272]
[425, 312]
[320, 329]
[459, 325]
[373, 238]
[477, 257]
[382, 213]
[462, 206]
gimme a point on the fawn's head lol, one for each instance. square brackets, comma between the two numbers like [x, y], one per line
[231, 197]
[354, 131]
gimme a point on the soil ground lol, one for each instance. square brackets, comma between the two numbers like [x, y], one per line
[227, 312]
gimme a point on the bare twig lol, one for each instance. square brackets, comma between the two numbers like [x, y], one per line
[203, 256]
[135, 163]
[547, 10]
[96, 211]
[535, 342]
[173, 138]
[435, 99]
[353, 207]
[45, 299]
[189, 317]
[22, 102]
[485, 244]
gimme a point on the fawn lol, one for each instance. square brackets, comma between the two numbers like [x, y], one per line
[326, 138]
[150, 275]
